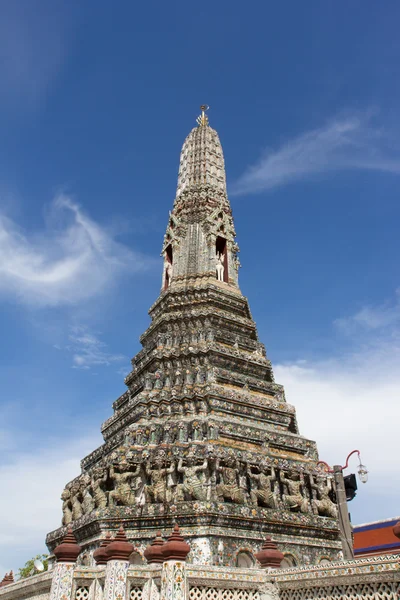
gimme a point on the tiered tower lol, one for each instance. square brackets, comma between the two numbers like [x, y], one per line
[203, 436]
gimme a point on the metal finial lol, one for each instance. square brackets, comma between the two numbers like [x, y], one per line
[203, 119]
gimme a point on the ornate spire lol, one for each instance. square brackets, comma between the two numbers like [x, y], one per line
[68, 551]
[203, 119]
[200, 237]
[202, 159]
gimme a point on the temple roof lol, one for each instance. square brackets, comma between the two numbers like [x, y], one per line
[202, 159]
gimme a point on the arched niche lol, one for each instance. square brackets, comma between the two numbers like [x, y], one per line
[245, 559]
[288, 561]
[221, 251]
[168, 262]
[135, 558]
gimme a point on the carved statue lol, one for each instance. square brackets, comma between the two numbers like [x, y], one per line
[88, 504]
[159, 490]
[323, 505]
[202, 407]
[229, 488]
[294, 500]
[193, 486]
[168, 272]
[66, 507]
[197, 431]
[159, 379]
[75, 500]
[139, 485]
[263, 494]
[213, 431]
[182, 432]
[99, 477]
[167, 437]
[220, 266]
[154, 434]
[123, 491]
[242, 476]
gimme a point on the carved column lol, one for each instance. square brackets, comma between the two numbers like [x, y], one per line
[66, 554]
[173, 575]
[116, 581]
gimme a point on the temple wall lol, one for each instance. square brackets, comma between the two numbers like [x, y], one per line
[31, 588]
[375, 578]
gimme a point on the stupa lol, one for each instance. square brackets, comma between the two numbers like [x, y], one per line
[203, 435]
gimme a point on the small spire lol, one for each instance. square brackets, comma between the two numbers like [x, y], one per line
[8, 578]
[202, 119]
[100, 555]
[175, 548]
[68, 550]
[153, 553]
[120, 548]
[269, 555]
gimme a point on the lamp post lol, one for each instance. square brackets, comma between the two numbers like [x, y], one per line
[341, 498]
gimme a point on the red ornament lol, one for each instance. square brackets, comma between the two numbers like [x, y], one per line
[8, 578]
[69, 550]
[269, 555]
[119, 548]
[175, 548]
[154, 551]
[100, 555]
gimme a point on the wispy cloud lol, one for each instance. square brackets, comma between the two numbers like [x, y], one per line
[72, 260]
[351, 142]
[372, 317]
[88, 350]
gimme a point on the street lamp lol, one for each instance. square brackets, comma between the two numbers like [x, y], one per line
[341, 498]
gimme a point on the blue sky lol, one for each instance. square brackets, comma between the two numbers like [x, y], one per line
[96, 100]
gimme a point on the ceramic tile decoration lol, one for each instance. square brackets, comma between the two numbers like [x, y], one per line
[62, 581]
[203, 435]
[116, 580]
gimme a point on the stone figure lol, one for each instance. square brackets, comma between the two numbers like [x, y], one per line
[189, 407]
[167, 434]
[76, 504]
[294, 500]
[228, 488]
[242, 476]
[192, 485]
[168, 272]
[202, 407]
[322, 504]
[139, 437]
[197, 431]
[148, 382]
[99, 477]
[213, 431]
[139, 484]
[178, 378]
[188, 377]
[159, 379]
[159, 490]
[262, 493]
[154, 434]
[88, 504]
[220, 266]
[123, 493]
[66, 506]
